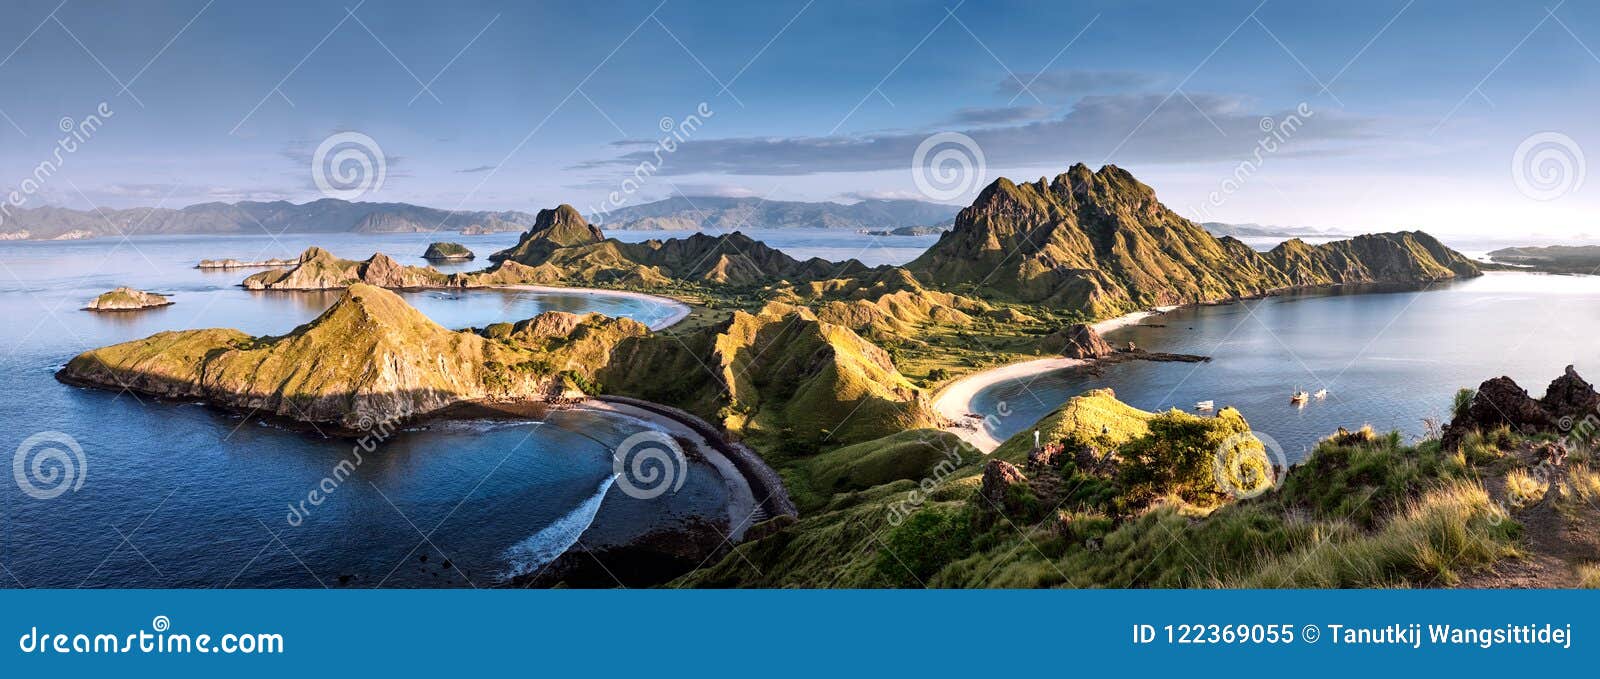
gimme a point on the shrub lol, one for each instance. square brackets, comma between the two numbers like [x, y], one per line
[916, 549]
[1463, 400]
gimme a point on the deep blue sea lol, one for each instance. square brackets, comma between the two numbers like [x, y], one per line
[180, 495]
[1388, 359]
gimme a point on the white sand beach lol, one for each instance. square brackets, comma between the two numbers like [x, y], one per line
[954, 402]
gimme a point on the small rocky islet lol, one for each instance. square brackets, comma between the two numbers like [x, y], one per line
[447, 252]
[127, 299]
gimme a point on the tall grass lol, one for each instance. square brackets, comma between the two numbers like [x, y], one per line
[1448, 531]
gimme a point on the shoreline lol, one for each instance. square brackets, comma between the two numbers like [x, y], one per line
[742, 502]
[954, 401]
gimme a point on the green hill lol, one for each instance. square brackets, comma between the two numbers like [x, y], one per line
[370, 357]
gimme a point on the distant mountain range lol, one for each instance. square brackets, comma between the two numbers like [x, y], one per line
[338, 216]
[321, 216]
[731, 214]
[1220, 229]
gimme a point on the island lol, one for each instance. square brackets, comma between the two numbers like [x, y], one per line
[1562, 259]
[906, 231]
[447, 252]
[127, 299]
[231, 263]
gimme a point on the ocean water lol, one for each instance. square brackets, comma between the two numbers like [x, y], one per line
[1388, 358]
[180, 495]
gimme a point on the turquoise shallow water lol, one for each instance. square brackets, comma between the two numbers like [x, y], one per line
[203, 497]
[1388, 359]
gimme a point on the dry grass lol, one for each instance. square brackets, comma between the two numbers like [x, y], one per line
[1589, 576]
[1449, 530]
[1524, 489]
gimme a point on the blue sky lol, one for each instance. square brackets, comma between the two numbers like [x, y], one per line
[1425, 106]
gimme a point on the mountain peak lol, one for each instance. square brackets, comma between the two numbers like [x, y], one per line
[1101, 242]
[558, 227]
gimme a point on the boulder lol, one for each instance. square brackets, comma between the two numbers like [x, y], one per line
[1570, 396]
[1003, 486]
[1498, 401]
[1078, 341]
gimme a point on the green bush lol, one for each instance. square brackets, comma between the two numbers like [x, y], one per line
[916, 549]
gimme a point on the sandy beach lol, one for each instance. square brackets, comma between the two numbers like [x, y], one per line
[953, 403]
[680, 310]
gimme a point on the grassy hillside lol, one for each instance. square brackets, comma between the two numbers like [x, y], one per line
[1364, 511]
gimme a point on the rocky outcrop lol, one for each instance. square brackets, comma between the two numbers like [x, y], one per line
[1003, 487]
[318, 269]
[1101, 243]
[1568, 401]
[127, 299]
[447, 252]
[369, 358]
[1570, 396]
[1078, 341]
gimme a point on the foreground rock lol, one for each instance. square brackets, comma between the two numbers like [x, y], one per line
[127, 299]
[369, 358]
[1567, 403]
[447, 252]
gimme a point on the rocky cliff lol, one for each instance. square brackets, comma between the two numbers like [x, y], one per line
[1100, 242]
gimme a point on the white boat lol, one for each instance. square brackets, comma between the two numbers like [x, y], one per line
[1321, 393]
[1299, 397]
[1204, 405]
